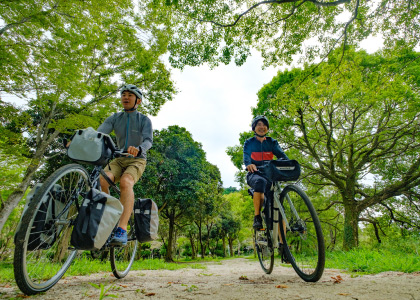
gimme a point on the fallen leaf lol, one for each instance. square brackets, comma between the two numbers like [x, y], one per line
[281, 286]
[337, 279]
[344, 294]
[150, 294]
[243, 278]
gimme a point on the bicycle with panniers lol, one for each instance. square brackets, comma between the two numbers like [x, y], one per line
[68, 213]
[290, 223]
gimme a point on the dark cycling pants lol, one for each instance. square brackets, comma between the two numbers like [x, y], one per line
[258, 182]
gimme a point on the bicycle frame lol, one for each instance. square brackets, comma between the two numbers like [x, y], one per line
[277, 191]
[278, 188]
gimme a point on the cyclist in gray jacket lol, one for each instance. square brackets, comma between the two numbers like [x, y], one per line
[135, 135]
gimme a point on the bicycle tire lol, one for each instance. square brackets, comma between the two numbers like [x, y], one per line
[264, 248]
[39, 265]
[122, 257]
[304, 242]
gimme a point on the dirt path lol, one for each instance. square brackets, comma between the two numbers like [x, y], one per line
[234, 279]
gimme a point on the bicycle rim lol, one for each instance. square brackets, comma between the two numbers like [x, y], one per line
[263, 246]
[42, 256]
[305, 248]
[122, 257]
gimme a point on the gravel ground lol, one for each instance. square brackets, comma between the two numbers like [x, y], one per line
[232, 279]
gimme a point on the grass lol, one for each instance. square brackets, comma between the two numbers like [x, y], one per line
[84, 265]
[370, 261]
[392, 257]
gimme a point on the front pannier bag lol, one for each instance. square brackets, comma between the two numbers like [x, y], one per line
[98, 216]
[90, 146]
[281, 170]
[146, 220]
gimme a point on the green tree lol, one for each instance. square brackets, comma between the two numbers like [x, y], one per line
[240, 212]
[204, 211]
[68, 59]
[175, 177]
[216, 32]
[354, 127]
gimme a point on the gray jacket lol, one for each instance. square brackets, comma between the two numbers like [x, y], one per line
[131, 129]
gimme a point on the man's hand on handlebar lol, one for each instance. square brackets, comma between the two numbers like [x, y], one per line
[133, 151]
[251, 168]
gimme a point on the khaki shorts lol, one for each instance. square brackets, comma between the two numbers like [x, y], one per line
[126, 165]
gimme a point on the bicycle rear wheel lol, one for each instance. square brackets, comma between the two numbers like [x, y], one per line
[264, 247]
[42, 245]
[304, 242]
[122, 257]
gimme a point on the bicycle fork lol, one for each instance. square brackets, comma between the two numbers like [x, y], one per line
[298, 222]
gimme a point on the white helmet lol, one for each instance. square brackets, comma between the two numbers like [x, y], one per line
[133, 89]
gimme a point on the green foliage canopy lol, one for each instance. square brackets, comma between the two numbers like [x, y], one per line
[216, 32]
[354, 125]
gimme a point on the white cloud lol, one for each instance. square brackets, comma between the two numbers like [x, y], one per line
[215, 106]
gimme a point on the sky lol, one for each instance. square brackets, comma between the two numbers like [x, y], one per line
[215, 107]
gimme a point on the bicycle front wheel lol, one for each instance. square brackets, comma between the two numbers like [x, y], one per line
[304, 240]
[122, 257]
[264, 247]
[42, 247]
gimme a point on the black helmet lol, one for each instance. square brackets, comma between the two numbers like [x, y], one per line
[259, 118]
[133, 89]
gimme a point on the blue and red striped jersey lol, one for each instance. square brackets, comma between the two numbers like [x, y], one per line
[256, 152]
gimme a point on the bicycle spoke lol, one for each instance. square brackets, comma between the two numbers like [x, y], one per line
[42, 251]
[263, 246]
[303, 238]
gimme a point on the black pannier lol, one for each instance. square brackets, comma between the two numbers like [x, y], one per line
[281, 170]
[98, 216]
[146, 220]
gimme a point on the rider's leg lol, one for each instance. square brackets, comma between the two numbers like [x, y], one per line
[127, 198]
[104, 183]
[258, 202]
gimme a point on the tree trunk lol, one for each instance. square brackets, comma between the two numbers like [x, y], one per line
[14, 198]
[200, 237]
[193, 254]
[43, 141]
[351, 228]
[168, 256]
[230, 241]
[224, 245]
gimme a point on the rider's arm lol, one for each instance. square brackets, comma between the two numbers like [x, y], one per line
[278, 151]
[247, 158]
[107, 126]
[147, 133]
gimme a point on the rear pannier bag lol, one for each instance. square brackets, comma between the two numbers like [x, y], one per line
[281, 170]
[146, 220]
[41, 237]
[98, 216]
[90, 146]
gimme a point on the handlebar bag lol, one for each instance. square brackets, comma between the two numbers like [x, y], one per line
[281, 170]
[146, 220]
[90, 146]
[98, 216]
